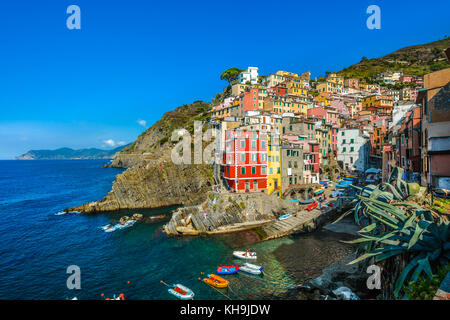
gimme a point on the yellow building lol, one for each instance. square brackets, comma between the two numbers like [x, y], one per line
[333, 84]
[323, 99]
[274, 176]
[376, 100]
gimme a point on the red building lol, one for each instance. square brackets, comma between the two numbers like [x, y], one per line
[245, 160]
[249, 100]
[280, 89]
[406, 78]
[314, 151]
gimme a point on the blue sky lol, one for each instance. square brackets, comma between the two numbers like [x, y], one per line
[135, 60]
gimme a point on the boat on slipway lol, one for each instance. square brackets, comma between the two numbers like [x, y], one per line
[319, 191]
[285, 216]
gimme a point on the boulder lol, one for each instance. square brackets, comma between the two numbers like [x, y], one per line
[137, 216]
[124, 219]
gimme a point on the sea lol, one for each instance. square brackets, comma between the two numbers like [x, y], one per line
[40, 244]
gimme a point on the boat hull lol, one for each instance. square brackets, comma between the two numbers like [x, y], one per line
[227, 270]
[181, 292]
[245, 255]
[216, 281]
[249, 270]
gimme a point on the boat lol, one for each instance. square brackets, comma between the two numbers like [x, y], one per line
[307, 201]
[253, 266]
[318, 191]
[250, 270]
[227, 270]
[245, 254]
[120, 297]
[352, 177]
[216, 281]
[342, 186]
[285, 216]
[181, 292]
[312, 206]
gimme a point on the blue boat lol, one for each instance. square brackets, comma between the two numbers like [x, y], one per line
[285, 216]
[342, 186]
[227, 270]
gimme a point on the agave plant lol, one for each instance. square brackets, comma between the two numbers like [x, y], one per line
[401, 227]
[393, 190]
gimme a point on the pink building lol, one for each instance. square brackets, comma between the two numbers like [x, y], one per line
[340, 107]
[328, 114]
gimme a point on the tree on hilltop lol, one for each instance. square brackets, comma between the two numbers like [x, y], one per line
[230, 74]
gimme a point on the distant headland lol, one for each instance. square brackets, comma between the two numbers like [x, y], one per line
[69, 154]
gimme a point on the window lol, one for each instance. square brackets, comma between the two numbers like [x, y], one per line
[242, 144]
[263, 170]
[352, 140]
[343, 133]
[253, 170]
[343, 140]
[263, 144]
[253, 143]
[254, 157]
[242, 170]
[278, 170]
[289, 164]
[352, 149]
[242, 156]
[271, 170]
[343, 149]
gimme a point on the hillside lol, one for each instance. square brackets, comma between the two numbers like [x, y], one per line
[414, 60]
[151, 182]
[68, 153]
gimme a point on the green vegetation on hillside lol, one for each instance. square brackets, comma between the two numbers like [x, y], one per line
[182, 117]
[415, 60]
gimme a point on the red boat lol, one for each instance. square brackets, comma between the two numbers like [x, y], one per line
[312, 206]
[227, 270]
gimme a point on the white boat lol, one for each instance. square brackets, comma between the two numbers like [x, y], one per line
[181, 292]
[253, 266]
[245, 254]
[250, 270]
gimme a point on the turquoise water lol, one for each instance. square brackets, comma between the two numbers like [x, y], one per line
[39, 243]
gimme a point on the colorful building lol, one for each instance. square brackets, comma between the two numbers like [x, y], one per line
[274, 178]
[245, 160]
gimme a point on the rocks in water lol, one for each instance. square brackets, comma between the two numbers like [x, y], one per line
[345, 293]
[342, 281]
[124, 219]
[137, 216]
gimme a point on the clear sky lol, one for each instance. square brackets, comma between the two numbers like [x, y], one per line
[135, 60]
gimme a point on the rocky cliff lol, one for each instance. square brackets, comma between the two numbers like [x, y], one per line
[151, 179]
[153, 187]
[227, 212]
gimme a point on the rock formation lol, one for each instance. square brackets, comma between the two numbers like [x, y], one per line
[151, 179]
